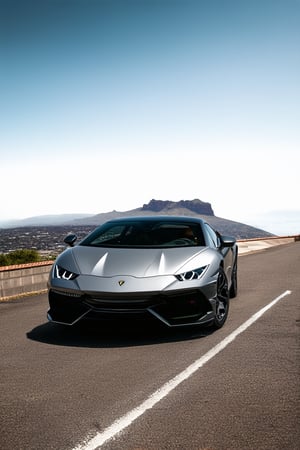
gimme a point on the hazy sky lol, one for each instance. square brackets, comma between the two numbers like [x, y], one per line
[106, 104]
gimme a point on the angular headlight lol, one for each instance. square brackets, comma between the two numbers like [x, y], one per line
[191, 274]
[60, 272]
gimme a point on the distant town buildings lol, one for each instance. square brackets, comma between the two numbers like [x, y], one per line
[46, 240]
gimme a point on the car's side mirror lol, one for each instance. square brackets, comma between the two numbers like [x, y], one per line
[70, 239]
[227, 241]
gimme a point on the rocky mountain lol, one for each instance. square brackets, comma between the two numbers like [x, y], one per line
[196, 208]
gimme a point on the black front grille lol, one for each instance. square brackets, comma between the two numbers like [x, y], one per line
[103, 303]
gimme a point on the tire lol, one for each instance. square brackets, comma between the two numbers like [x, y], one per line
[234, 284]
[222, 300]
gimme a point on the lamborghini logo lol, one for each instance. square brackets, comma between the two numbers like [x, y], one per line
[121, 282]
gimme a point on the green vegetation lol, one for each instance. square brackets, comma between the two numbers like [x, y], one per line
[22, 256]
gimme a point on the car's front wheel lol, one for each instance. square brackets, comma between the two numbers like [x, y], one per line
[222, 300]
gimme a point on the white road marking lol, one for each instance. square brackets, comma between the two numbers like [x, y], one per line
[125, 421]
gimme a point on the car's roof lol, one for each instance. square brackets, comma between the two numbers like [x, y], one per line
[159, 218]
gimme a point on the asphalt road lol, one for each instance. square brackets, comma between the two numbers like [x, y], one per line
[59, 387]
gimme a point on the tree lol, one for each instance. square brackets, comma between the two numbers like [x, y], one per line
[21, 256]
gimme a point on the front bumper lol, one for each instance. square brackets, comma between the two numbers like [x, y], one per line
[175, 308]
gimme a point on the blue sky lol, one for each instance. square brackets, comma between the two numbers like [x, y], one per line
[107, 104]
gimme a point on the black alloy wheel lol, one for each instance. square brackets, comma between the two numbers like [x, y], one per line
[222, 300]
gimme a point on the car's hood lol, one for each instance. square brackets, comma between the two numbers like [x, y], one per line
[132, 262]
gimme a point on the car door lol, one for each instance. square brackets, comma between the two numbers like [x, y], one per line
[214, 240]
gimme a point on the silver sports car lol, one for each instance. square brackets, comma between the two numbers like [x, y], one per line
[177, 270]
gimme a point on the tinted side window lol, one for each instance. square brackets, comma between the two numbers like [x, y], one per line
[212, 237]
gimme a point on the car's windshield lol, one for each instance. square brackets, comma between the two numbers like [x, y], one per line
[143, 234]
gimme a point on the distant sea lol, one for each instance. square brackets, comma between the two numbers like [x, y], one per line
[281, 223]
